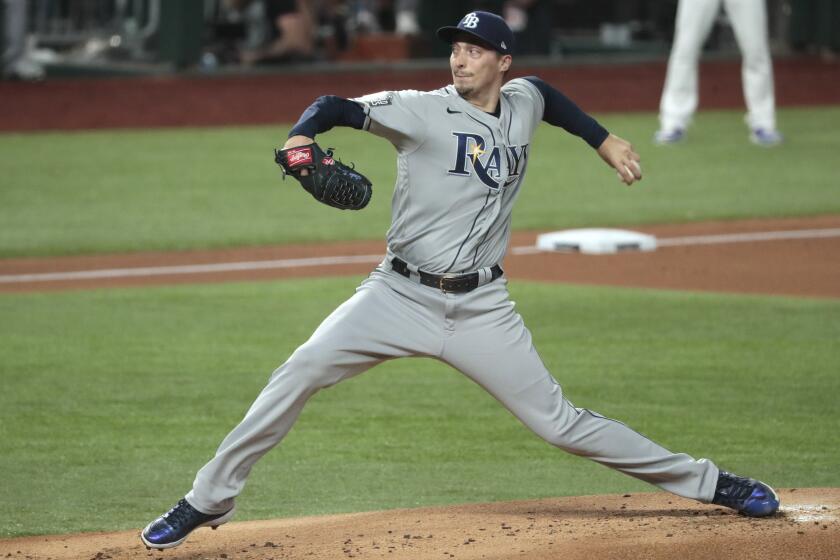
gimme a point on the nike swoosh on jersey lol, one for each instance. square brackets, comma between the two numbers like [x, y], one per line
[451, 112]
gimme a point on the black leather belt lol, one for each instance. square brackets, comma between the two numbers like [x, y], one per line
[450, 283]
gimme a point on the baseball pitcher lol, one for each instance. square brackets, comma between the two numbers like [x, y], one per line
[440, 291]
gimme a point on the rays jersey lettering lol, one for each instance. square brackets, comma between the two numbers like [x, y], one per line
[472, 154]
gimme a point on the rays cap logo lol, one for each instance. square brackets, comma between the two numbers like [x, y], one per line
[489, 28]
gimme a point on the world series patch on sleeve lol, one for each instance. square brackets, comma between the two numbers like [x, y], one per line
[327, 179]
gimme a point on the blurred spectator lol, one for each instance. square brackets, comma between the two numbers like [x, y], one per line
[384, 16]
[16, 63]
[332, 27]
[279, 31]
[406, 17]
[292, 33]
[815, 27]
[530, 21]
[372, 16]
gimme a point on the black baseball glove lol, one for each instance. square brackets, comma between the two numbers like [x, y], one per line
[328, 180]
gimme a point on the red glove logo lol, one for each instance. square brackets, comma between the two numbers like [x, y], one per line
[299, 156]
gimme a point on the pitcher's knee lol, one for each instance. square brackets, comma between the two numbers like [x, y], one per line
[563, 432]
[558, 436]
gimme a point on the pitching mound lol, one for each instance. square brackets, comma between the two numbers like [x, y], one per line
[649, 526]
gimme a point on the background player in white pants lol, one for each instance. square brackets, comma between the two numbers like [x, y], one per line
[462, 154]
[679, 96]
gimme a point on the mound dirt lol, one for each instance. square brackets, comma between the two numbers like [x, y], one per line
[628, 527]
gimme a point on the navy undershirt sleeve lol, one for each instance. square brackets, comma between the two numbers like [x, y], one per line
[326, 112]
[562, 111]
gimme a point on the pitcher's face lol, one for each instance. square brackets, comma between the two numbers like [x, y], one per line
[476, 68]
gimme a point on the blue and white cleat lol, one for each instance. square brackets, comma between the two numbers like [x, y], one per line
[766, 137]
[173, 527]
[665, 136]
[745, 495]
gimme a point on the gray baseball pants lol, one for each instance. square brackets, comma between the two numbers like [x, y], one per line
[478, 333]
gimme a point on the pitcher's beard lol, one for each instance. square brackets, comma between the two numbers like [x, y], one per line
[464, 91]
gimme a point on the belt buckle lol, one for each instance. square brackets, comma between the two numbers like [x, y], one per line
[442, 281]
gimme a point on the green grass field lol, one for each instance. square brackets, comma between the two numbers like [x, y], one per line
[176, 189]
[112, 399]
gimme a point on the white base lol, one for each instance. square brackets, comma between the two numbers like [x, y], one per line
[596, 241]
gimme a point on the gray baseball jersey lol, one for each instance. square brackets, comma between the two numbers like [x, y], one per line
[459, 173]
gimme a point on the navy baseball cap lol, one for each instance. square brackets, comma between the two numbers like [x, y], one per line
[486, 26]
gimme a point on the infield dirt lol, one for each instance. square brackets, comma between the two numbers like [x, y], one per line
[807, 266]
[650, 526]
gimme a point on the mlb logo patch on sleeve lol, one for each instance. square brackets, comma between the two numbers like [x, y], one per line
[380, 102]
